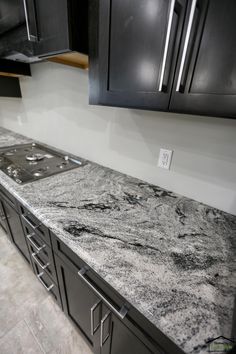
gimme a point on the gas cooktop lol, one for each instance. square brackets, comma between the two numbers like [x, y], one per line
[30, 162]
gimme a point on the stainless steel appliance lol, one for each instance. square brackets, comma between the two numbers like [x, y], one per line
[30, 162]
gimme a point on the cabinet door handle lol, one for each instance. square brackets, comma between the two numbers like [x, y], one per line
[93, 330]
[31, 37]
[43, 266]
[39, 276]
[38, 249]
[186, 43]
[107, 317]
[124, 309]
[34, 227]
[169, 25]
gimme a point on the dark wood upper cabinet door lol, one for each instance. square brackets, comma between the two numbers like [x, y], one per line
[60, 26]
[205, 81]
[11, 14]
[51, 27]
[133, 51]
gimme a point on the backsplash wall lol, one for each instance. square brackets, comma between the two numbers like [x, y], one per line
[55, 110]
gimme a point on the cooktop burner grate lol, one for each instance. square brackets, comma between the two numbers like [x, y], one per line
[30, 162]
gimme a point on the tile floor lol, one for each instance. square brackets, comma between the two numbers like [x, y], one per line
[30, 321]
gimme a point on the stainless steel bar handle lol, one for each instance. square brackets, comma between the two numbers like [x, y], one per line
[31, 225]
[38, 249]
[43, 266]
[186, 42]
[169, 25]
[123, 311]
[103, 340]
[93, 330]
[39, 276]
[27, 20]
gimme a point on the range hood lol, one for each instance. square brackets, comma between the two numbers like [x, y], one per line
[46, 30]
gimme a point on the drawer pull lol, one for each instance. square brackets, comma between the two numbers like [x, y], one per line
[38, 249]
[107, 317]
[39, 276]
[98, 304]
[167, 42]
[34, 227]
[124, 309]
[186, 43]
[43, 266]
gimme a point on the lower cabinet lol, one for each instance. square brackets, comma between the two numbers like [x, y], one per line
[100, 324]
[116, 338]
[107, 322]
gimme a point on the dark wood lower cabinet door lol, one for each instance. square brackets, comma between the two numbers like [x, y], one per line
[80, 303]
[3, 221]
[16, 230]
[116, 338]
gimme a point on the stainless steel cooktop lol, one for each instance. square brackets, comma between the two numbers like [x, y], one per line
[30, 162]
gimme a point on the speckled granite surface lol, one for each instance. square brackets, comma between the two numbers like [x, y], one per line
[172, 258]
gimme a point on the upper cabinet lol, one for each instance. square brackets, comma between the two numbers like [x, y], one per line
[32, 30]
[138, 45]
[171, 55]
[205, 80]
[11, 15]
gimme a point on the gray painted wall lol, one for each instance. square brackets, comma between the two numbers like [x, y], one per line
[55, 110]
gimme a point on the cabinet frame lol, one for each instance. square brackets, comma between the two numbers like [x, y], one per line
[141, 327]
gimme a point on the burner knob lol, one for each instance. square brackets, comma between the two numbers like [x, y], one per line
[9, 170]
[15, 173]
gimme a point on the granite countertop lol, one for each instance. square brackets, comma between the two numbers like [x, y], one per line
[172, 258]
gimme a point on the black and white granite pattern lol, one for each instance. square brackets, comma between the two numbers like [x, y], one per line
[171, 257]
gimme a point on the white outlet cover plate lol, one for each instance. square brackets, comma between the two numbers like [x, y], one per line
[165, 158]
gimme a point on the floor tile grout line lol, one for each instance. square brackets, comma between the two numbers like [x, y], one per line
[9, 330]
[36, 339]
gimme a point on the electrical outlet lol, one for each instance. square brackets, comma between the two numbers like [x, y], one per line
[165, 157]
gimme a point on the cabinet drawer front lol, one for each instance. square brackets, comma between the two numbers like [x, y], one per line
[35, 225]
[44, 257]
[50, 286]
